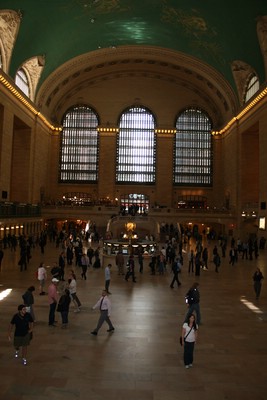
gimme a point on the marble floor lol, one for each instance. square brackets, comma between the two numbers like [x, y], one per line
[142, 359]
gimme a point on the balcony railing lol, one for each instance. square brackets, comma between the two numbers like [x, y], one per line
[19, 210]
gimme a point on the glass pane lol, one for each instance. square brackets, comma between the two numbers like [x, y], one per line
[193, 149]
[136, 147]
[252, 87]
[79, 146]
[21, 81]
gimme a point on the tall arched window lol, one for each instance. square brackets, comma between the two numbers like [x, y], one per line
[22, 81]
[79, 146]
[136, 147]
[193, 149]
[252, 87]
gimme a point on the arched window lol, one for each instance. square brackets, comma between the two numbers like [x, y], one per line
[22, 82]
[79, 146]
[136, 147]
[193, 149]
[252, 87]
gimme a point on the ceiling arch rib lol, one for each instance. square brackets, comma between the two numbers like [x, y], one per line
[206, 84]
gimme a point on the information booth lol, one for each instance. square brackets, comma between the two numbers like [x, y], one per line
[112, 247]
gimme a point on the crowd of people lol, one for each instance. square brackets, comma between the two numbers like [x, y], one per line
[59, 284]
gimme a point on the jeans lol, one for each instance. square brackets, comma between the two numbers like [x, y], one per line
[52, 313]
[194, 308]
[64, 317]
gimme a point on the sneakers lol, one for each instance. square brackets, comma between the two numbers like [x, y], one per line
[24, 361]
[111, 330]
[186, 366]
[190, 365]
[16, 353]
[94, 333]
[77, 310]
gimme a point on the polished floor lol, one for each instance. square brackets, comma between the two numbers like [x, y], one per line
[142, 359]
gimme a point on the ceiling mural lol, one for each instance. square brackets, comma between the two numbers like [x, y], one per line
[191, 46]
[60, 30]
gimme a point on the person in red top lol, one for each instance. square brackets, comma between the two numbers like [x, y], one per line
[52, 300]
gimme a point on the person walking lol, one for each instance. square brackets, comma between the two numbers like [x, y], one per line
[257, 278]
[120, 262]
[28, 300]
[191, 261]
[176, 269]
[107, 278]
[141, 259]
[84, 265]
[63, 307]
[197, 263]
[152, 264]
[217, 261]
[192, 299]
[73, 295]
[41, 276]
[61, 264]
[189, 337]
[104, 306]
[23, 256]
[205, 256]
[52, 300]
[130, 269]
[232, 256]
[23, 323]
[69, 254]
[90, 254]
[1, 257]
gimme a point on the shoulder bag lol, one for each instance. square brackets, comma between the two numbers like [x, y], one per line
[181, 339]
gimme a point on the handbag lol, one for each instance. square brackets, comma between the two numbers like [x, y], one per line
[181, 339]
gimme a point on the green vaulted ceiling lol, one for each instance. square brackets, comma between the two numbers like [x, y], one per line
[216, 32]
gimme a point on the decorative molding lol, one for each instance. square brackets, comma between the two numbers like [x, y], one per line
[26, 102]
[146, 62]
[241, 72]
[34, 67]
[9, 27]
[262, 36]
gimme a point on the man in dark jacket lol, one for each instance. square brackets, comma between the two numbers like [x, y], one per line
[192, 299]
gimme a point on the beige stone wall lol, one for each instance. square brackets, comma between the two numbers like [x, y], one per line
[229, 177]
[24, 153]
[107, 165]
[6, 142]
[263, 161]
[29, 161]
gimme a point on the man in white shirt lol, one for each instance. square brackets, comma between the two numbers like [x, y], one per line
[104, 306]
